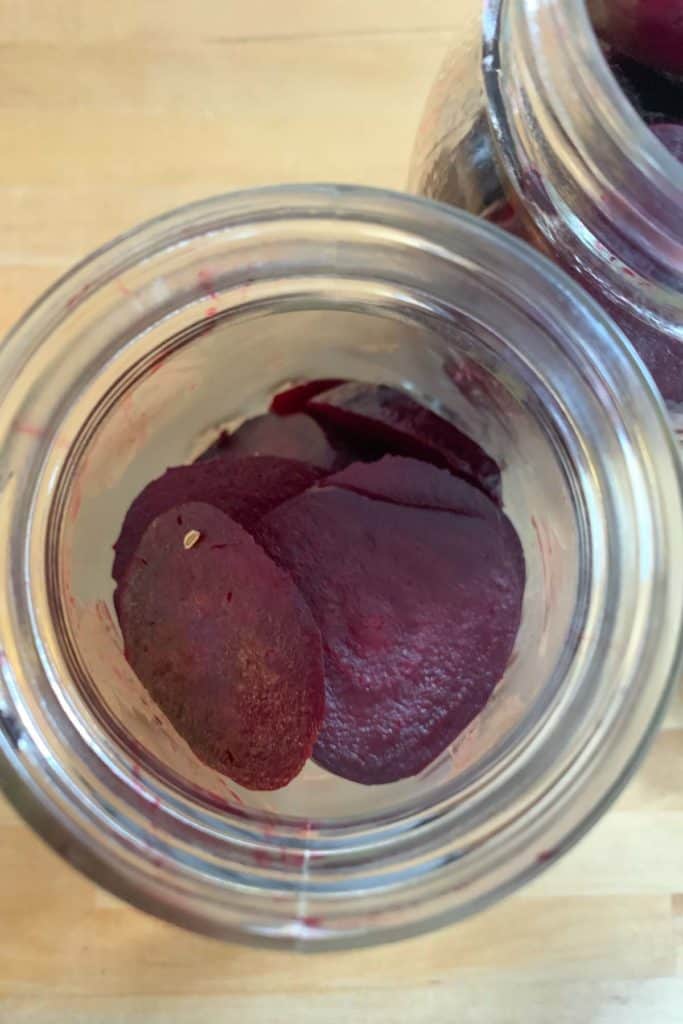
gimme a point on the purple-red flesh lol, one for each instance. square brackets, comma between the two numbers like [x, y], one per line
[294, 398]
[290, 437]
[405, 481]
[672, 137]
[243, 488]
[418, 610]
[649, 31]
[400, 577]
[392, 419]
[224, 643]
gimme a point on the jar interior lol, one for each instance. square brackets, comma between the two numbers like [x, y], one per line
[165, 394]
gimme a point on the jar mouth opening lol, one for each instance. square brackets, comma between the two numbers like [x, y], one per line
[114, 745]
[434, 838]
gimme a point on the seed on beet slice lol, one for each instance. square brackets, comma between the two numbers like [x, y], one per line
[294, 399]
[392, 418]
[224, 643]
[290, 437]
[244, 488]
[418, 611]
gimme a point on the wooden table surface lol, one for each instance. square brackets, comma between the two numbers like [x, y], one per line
[111, 111]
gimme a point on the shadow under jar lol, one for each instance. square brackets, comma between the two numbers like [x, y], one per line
[134, 361]
[528, 126]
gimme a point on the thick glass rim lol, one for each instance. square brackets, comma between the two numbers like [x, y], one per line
[435, 890]
[597, 112]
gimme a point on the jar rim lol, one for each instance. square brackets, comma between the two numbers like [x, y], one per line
[597, 113]
[33, 785]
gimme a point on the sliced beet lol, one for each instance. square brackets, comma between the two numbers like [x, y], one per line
[649, 31]
[224, 643]
[216, 448]
[392, 419]
[657, 96]
[405, 481]
[418, 611]
[672, 137]
[294, 399]
[289, 437]
[244, 488]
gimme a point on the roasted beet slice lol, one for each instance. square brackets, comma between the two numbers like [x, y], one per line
[650, 31]
[225, 644]
[384, 415]
[418, 610]
[289, 437]
[216, 448]
[672, 137]
[294, 398]
[406, 481]
[657, 96]
[244, 488]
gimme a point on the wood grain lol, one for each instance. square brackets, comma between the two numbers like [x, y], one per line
[110, 113]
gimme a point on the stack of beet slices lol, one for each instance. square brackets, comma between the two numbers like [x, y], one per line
[334, 579]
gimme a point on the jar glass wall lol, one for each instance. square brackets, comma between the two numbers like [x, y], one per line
[134, 360]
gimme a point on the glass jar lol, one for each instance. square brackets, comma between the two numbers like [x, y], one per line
[527, 126]
[134, 361]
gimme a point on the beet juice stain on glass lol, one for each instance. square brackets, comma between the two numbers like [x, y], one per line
[571, 141]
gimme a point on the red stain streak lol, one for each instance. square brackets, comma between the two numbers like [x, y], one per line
[77, 296]
[288, 858]
[513, 658]
[200, 334]
[211, 311]
[123, 288]
[206, 281]
[262, 858]
[544, 549]
[158, 366]
[104, 615]
[544, 856]
[29, 429]
[292, 858]
[312, 922]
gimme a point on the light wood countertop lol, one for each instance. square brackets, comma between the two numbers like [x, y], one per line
[114, 110]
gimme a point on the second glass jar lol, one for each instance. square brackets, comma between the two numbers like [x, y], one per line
[527, 125]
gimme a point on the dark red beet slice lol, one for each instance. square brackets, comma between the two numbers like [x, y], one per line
[672, 137]
[650, 31]
[244, 488]
[390, 417]
[217, 448]
[418, 611]
[657, 96]
[294, 399]
[406, 481]
[226, 646]
[289, 437]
